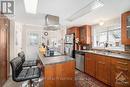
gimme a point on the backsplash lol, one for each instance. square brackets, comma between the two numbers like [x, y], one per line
[86, 47]
[127, 48]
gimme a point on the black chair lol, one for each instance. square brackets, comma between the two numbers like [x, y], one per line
[19, 74]
[26, 63]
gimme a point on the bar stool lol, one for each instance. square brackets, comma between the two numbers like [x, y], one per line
[19, 74]
[26, 63]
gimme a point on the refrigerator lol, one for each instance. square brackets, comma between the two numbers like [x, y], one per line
[69, 45]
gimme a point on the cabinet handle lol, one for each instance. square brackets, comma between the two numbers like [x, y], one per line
[122, 68]
[100, 62]
[122, 63]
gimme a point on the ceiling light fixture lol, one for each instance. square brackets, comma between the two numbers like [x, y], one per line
[87, 9]
[31, 6]
[101, 23]
[97, 4]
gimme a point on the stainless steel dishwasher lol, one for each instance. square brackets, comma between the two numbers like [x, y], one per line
[80, 60]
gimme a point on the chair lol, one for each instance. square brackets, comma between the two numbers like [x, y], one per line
[19, 74]
[26, 63]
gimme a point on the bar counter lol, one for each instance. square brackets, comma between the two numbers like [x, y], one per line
[58, 71]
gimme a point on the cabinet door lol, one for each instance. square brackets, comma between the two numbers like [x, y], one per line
[82, 34]
[119, 73]
[3, 53]
[90, 67]
[85, 34]
[0, 74]
[68, 74]
[103, 69]
[125, 28]
[3, 50]
[77, 32]
[88, 38]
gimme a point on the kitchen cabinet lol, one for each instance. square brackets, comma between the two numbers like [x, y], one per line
[59, 75]
[103, 68]
[85, 34]
[110, 70]
[125, 28]
[120, 76]
[73, 30]
[90, 64]
[4, 51]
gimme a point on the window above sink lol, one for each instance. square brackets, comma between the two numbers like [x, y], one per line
[107, 38]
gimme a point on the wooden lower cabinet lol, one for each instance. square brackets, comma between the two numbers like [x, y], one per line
[112, 71]
[59, 75]
[90, 64]
[103, 69]
[120, 73]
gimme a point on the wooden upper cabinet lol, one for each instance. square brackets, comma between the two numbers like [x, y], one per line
[90, 64]
[103, 68]
[85, 34]
[73, 30]
[125, 28]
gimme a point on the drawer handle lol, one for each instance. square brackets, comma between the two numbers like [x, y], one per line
[101, 62]
[122, 63]
[122, 69]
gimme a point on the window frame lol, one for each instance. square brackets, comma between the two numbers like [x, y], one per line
[108, 30]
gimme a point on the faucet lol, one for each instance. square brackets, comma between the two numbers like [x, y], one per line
[104, 43]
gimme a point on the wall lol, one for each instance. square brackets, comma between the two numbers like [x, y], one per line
[53, 36]
[17, 38]
[12, 29]
[111, 23]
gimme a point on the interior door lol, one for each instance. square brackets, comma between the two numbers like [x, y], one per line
[3, 54]
[32, 44]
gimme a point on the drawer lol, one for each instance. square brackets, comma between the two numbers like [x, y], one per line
[120, 62]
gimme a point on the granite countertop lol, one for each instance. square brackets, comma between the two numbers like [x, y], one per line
[115, 55]
[54, 60]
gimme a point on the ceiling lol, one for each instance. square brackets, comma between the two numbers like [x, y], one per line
[66, 8]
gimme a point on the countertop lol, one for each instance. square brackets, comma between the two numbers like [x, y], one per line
[115, 55]
[54, 60]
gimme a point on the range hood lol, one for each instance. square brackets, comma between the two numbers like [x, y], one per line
[51, 22]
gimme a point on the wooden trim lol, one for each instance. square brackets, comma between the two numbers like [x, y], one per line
[125, 40]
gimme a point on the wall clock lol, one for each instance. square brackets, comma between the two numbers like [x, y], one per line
[45, 33]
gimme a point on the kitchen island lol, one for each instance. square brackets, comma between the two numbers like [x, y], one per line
[58, 71]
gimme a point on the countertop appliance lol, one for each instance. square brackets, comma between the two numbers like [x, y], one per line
[69, 45]
[80, 61]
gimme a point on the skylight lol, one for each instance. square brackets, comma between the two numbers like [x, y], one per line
[31, 6]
